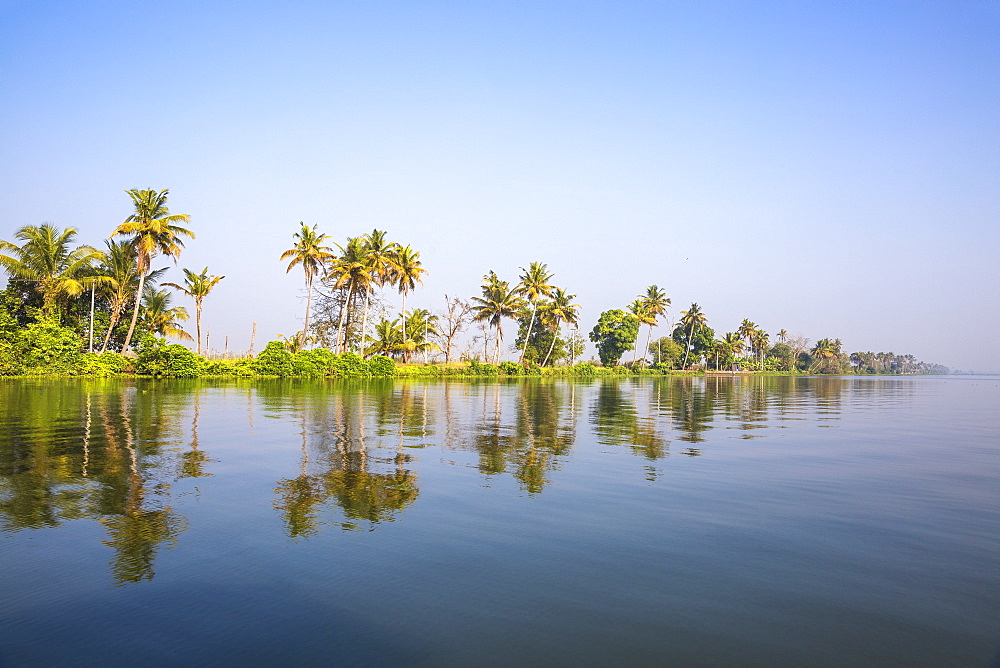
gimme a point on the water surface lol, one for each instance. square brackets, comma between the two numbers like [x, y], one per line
[675, 520]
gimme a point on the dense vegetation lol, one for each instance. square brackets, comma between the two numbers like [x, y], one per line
[77, 310]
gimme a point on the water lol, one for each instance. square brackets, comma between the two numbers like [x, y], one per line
[744, 521]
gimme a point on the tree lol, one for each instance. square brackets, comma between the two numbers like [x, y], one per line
[614, 333]
[197, 286]
[159, 317]
[350, 272]
[533, 285]
[153, 231]
[45, 259]
[119, 267]
[665, 351]
[561, 309]
[655, 303]
[380, 254]
[313, 256]
[499, 301]
[691, 321]
[406, 273]
[456, 316]
[387, 339]
[638, 309]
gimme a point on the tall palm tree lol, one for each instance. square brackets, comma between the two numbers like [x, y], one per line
[121, 278]
[692, 320]
[197, 286]
[561, 309]
[639, 310]
[499, 301]
[759, 341]
[309, 252]
[381, 255]
[160, 317]
[533, 285]
[46, 260]
[406, 273]
[782, 335]
[656, 302]
[153, 231]
[746, 330]
[351, 272]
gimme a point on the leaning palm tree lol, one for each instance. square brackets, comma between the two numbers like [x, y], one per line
[499, 301]
[197, 286]
[160, 317]
[561, 309]
[406, 273]
[691, 320]
[533, 285]
[656, 302]
[46, 260]
[313, 256]
[120, 271]
[639, 310]
[153, 231]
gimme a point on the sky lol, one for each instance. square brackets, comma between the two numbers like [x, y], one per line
[828, 168]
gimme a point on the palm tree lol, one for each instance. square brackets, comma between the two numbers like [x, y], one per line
[153, 231]
[387, 340]
[160, 317]
[120, 271]
[656, 302]
[380, 254]
[309, 252]
[759, 340]
[782, 335]
[406, 273]
[351, 272]
[746, 330]
[499, 301]
[422, 325]
[561, 309]
[692, 320]
[46, 260]
[533, 285]
[733, 343]
[638, 309]
[197, 286]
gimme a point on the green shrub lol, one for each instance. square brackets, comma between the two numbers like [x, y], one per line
[11, 357]
[585, 369]
[50, 349]
[274, 360]
[349, 365]
[476, 368]
[156, 357]
[108, 363]
[510, 369]
[380, 365]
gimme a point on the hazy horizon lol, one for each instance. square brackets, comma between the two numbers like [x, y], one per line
[829, 168]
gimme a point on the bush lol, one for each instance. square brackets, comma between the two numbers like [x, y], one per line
[510, 369]
[585, 369]
[50, 349]
[476, 368]
[156, 357]
[274, 360]
[380, 365]
[349, 365]
[108, 363]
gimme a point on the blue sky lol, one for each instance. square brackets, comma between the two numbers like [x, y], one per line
[827, 168]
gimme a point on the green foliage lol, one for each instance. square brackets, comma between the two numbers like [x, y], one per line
[11, 357]
[274, 360]
[50, 349]
[104, 364]
[156, 357]
[510, 369]
[349, 365]
[585, 369]
[380, 365]
[614, 333]
[666, 352]
[476, 368]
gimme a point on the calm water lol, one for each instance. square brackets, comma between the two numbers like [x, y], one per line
[701, 521]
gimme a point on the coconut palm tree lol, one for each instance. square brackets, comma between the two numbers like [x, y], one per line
[387, 339]
[380, 254]
[746, 330]
[561, 309]
[159, 317]
[656, 302]
[499, 301]
[120, 271]
[153, 231]
[782, 335]
[639, 310]
[45, 259]
[422, 325]
[691, 320]
[759, 341]
[197, 286]
[310, 252]
[533, 285]
[406, 273]
[350, 272]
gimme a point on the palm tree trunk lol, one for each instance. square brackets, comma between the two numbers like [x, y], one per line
[527, 336]
[116, 314]
[402, 318]
[496, 355]
[364, 319]
[135, 312]
[305, 325]
[197, 321]
[687, 349]
[551, 345]
[341, 328]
